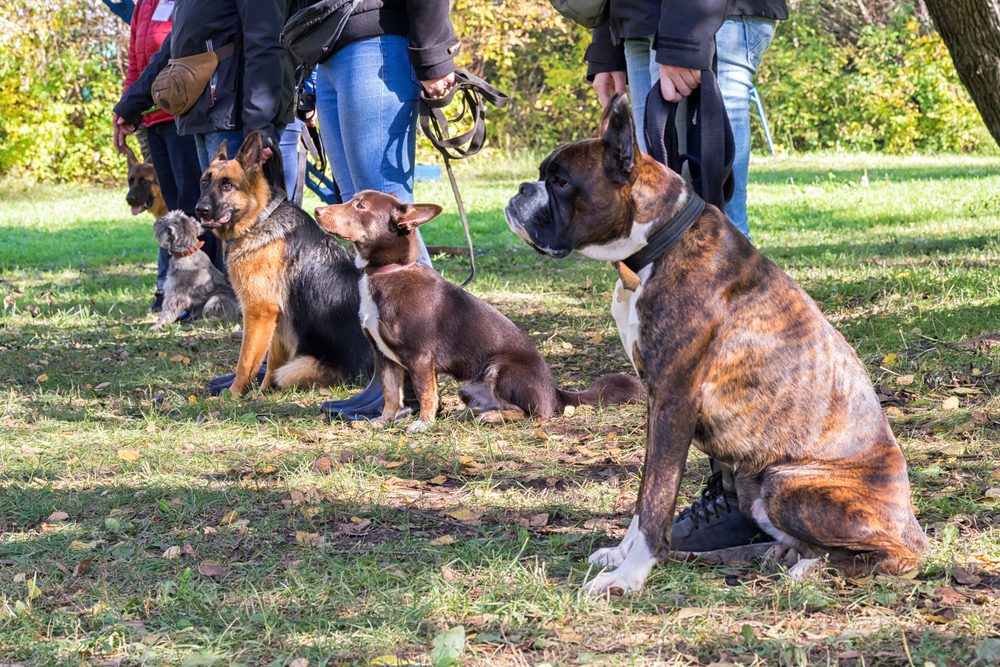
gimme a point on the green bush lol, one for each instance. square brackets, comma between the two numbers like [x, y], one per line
[893, 90]
[60, 74]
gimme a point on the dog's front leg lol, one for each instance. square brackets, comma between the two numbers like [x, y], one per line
[277, 357]
[424, 377]
[670, 427]
[260, 320]
[174, 304]
[392, 375]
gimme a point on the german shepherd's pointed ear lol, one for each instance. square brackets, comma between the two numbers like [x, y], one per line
[130, 156]
[253, 154]
[411, 216]
[617, 132]
[221, 154]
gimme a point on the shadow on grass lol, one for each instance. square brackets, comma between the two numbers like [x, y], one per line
[812, 173]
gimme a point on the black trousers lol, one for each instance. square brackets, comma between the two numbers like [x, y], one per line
[175, 159]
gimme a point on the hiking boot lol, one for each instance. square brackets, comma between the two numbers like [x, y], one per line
[157, 304]
[713, 522]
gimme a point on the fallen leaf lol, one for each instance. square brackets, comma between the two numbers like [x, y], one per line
[79, 545]
[596, 339]
[465, 515]
[33, 590]
[949, 596]
[394, 464]
[966, 578]
[447, 647]
[102, 386]
[992, 493]
[466, 459]
[322, 465]
[172, 552]
[438, 480]
[893, 412]
[128, 454]
[212, 568]
[82, 567]
[689, 612]
[42, 378]
[954, 450]
[388, 660]
[889, 359]
[299, 662]
[569, 411]
[538, 520]
[309, 539]
[57, 516]
[904, 380]
[443, 540]
[450, 574]
[229, 518]
[950, 403]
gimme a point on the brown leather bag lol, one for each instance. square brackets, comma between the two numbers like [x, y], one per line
[179, 85]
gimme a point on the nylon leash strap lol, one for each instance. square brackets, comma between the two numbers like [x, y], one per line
[472, 92]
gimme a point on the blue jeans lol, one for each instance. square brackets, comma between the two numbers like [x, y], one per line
[208, 145]
[366, 100]
[740, 43]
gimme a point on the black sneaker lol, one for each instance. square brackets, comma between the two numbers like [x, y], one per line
[157, 304]
[713, 522]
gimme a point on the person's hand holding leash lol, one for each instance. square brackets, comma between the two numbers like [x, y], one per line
[122, 130]
[608, 84]
[677, 83]
[439, 87]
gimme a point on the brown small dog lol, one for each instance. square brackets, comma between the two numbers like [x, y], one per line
[418, 322]
[297, 286]
[143, 188]
[734, 356]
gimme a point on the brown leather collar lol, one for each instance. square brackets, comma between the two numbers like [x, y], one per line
[190, 251]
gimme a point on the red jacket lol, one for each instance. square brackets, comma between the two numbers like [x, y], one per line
[144, 41]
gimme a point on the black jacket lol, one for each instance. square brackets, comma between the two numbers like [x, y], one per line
[424, 23]
[251, 90]
[685, 30]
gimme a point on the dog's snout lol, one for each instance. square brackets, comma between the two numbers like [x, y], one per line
[523, 189]
[204, 209]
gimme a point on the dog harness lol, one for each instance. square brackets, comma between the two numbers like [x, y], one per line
[662, 240]
[190, 251]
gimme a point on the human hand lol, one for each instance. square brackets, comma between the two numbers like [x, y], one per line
[677, 83]
[122, 130]
[608, 84]
[439, 87]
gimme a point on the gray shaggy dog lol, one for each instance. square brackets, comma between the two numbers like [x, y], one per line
[193, 284]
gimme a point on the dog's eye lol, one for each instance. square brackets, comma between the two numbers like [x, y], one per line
[228, 187]
[560, 182]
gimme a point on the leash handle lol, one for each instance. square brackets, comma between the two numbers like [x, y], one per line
[436, 126]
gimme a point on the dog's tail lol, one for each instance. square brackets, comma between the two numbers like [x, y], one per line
[303, 372]
[610, 389]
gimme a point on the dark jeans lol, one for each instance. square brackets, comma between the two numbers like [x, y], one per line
[175, 159]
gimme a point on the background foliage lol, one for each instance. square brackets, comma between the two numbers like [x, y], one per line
[842, 74]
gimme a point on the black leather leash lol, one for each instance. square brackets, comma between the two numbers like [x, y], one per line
[436, 125]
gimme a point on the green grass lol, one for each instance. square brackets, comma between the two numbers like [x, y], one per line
[339, 545]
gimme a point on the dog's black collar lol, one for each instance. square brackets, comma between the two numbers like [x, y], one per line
[277, 199]
[668, 234]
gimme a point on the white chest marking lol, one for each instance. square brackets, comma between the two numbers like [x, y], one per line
[619, 249]
[368, 312]
[623, 309]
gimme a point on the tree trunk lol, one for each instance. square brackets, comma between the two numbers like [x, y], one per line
[971, 30]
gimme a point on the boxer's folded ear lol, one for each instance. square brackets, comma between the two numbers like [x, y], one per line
[618, 136]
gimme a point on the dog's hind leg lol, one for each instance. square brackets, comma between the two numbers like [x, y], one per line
[277, 357]
[219, 307]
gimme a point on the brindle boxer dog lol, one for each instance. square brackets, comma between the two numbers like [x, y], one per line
[734, 355]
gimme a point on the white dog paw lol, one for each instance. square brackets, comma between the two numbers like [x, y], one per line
[804, 569]
[608, 556]
[419, 426]
[614, 582]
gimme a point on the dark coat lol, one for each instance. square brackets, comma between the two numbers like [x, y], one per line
[424, 23]
[251, 90]
[685, 30]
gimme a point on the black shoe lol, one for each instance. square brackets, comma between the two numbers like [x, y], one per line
[368, 403]
[157, 304]
[217, 385]
[713, 522]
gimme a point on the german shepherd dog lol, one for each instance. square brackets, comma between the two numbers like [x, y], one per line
[297, 286]
[143, 188]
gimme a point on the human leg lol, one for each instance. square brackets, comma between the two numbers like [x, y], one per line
[740, 43]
